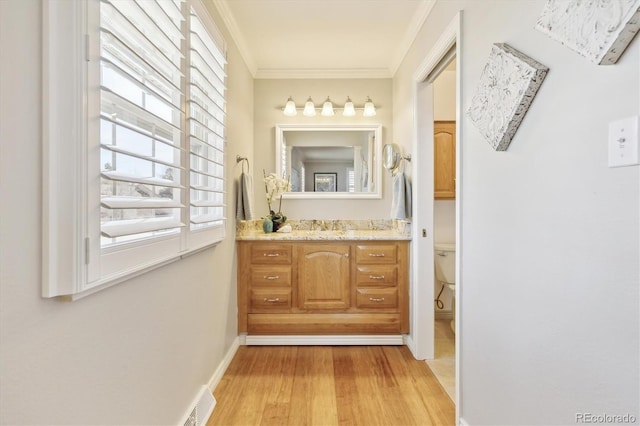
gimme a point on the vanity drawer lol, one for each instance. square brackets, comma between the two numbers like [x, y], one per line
[271, 254]
[270, 299]
[376, 253]
[377, 298]
[370, 275]
[271, 276]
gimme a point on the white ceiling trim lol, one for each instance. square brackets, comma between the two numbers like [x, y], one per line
[322, 73]
[412, 32]
[236, 35]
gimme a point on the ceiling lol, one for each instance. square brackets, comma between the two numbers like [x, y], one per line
[323, 38]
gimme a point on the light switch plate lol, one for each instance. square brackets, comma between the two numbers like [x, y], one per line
[623, 142]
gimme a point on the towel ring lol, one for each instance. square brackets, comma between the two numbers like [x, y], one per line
[243, 159]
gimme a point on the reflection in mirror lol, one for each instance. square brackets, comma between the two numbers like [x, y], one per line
[348, 152]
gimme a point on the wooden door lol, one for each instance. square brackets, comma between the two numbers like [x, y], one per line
[323, 276]
[444, 144]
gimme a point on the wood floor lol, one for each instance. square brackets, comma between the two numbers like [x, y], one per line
[329, 385]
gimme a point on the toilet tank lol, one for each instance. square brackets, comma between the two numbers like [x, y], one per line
[445, 262]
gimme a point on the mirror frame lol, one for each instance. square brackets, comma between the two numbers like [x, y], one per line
[377, 162]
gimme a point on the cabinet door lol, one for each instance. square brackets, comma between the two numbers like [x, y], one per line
[323, 276]
[444, 144]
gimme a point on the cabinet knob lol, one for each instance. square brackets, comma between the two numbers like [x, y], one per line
[376, 277]
[271, 254]
[266, 299]
[376, 254]
[271, 277]
[376, 299]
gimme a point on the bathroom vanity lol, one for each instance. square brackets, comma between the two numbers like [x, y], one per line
[323, 283]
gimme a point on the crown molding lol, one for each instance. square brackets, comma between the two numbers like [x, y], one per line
[323, 73]
[236, 34]
[410, 35]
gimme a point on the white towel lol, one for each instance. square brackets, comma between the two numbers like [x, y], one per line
[244, 209]
[401, 202]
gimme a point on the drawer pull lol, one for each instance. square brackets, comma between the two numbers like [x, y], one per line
[271, 277]
[266, 299]
[376, 254]
[271, 254]
[376, 299]
[376, 277]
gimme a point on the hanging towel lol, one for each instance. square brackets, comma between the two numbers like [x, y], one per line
[244, 209]
[401, 202]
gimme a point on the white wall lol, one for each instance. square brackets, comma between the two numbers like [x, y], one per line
[136, 353]
[550, 234]
[271, 93]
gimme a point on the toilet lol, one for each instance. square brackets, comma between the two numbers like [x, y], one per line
[445, 265]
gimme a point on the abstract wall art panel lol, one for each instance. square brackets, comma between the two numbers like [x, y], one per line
[509, 82]
[599, 30]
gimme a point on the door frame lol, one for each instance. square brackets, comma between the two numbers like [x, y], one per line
[421, 341]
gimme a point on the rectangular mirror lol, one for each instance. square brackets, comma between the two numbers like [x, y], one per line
[330, 160]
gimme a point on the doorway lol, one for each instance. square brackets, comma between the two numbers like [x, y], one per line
[422, 342]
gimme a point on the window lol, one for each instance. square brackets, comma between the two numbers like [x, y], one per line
[147, 120]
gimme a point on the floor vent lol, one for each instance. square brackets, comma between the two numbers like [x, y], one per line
[202, 409]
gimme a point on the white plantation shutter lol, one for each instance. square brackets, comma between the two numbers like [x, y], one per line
[206, 127]
[142, 182]
[140, 119]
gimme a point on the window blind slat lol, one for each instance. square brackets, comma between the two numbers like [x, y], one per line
[139, 131]
[206, 218]
[206, 203]
[113, 148]
[139, 203]
[123, 177]
[122, 109]
[125, 84]
[121, 228]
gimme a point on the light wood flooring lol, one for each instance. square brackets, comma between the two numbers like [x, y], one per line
[329, 385]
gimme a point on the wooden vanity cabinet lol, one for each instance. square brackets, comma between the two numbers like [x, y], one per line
[311, 287]
[444, 150]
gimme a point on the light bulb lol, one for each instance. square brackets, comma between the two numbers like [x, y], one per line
[349, 110]
[290, 108]
[327, 108]
[309, 108]
[369, 108]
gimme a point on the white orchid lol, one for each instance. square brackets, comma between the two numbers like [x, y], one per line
[274, 187]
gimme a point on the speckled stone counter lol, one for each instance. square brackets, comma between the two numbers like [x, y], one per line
[320, 230]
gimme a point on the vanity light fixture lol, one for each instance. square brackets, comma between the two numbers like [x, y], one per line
[309, 108]
[369, 108]
[349, 110]
[327, 108]
[290, 108]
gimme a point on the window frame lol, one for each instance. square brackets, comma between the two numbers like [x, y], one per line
[74, 264]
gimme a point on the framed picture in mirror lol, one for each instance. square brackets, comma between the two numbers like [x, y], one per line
[325, 182]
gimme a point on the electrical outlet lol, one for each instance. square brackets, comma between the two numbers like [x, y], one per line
[623, 142]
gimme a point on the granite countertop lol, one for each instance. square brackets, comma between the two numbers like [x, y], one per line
[320, 230]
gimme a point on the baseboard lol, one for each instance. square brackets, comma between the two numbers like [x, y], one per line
[444, 315]
[408, 341]
[224, 364]
[325, 340]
